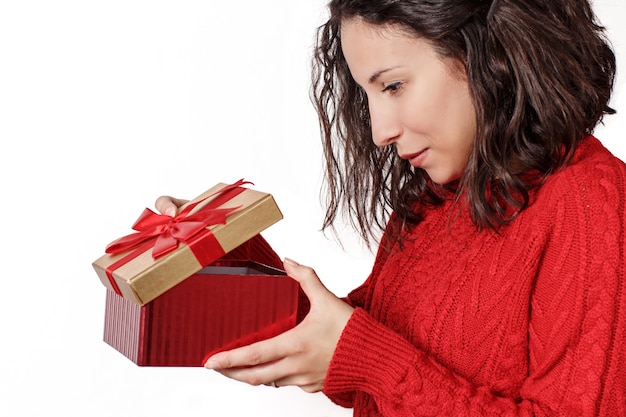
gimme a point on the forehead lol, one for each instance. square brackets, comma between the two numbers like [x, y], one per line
[368, 48]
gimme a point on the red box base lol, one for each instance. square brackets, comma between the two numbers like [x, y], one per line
[225, 305]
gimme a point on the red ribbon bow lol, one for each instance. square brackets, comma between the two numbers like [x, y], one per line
[169, 231]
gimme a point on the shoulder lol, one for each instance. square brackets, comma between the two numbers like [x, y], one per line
[593, 175]
[591, 153]
[586, 198]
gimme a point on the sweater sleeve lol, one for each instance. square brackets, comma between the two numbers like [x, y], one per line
[359, 298]
[576, 333]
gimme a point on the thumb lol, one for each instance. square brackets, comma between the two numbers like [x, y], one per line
[166, 205]
[306, 277]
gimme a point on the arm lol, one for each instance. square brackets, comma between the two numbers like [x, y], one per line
[576, 333]
[571, 371]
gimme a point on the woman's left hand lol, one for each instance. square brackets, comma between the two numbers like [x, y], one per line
[300, 356]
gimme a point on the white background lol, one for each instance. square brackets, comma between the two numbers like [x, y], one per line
[106, 105]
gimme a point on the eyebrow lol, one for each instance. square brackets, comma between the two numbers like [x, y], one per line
[378, 73]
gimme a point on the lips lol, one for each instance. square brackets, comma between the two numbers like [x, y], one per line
[415, 159]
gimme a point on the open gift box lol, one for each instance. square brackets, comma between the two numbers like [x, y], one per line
[165, 250]
[183, 287]
[226, 305]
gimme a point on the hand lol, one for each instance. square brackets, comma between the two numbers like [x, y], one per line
[168, 205]
[300, 356]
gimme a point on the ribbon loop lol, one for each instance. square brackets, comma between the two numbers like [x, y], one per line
[168, 231]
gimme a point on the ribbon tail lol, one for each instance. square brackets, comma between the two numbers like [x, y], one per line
[232, 186]
[215, 196]
[129, 241]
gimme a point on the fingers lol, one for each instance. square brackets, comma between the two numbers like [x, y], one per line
[306, 277]
[168, 205]
[276, 374]
[258, 375]
[255, 354]
[255, 364]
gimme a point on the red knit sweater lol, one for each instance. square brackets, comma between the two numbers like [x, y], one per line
[530, 321]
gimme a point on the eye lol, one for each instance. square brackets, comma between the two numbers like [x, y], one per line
[392, 88]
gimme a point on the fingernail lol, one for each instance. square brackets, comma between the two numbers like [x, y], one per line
[291, 262]
[171, 212]
[212, 364]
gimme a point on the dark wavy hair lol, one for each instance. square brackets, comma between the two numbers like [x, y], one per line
[540, 74]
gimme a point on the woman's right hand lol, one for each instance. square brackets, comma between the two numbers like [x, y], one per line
[169, 205]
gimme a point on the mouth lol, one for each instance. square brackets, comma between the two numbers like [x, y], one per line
[415, 159]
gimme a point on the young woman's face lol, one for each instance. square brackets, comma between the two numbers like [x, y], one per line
[417, 101]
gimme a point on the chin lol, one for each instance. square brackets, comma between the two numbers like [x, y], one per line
[443, 179]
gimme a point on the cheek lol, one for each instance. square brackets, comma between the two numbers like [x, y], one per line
[429, 107]
[419, 114]
[456, 120]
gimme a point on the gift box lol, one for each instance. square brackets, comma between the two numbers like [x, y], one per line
[228, 304]
[165, 250]
[181, 288]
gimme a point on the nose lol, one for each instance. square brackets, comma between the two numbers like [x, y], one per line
[386, 126]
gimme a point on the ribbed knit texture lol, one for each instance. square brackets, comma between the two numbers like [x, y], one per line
[530, 321]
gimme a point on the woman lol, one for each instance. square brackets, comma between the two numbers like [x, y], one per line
[463, 128]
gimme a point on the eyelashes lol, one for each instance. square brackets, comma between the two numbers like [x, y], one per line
[393, 87]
